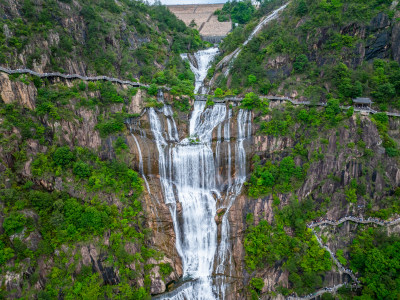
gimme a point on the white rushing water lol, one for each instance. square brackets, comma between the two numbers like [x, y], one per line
[229, 59]
[203, 59]
[191, 175]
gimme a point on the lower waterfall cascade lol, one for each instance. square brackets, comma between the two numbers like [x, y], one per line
[188, 174]
[192, 178]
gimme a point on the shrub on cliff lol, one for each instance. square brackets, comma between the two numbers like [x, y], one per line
[14, 223]
[113, 125]
[81, 169]
[63, 156]
[253, 101]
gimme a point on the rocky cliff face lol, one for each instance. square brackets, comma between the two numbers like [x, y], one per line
[124, 39]
[326, 176]
[79, 129]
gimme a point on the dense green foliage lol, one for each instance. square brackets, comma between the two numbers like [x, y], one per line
[376, 255]
[102, 176]
[319, 52]
[239, 12]
[63, 220]
[252, 102]
[300, 254]
[282, 177]
[125, 39]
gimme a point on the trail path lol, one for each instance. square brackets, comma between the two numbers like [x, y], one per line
[72, 76]
[199, 97]
[341, 268]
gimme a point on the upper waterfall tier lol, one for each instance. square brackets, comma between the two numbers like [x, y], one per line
[199, 64]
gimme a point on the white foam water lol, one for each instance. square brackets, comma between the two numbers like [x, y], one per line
[190, 175]
[203, 59]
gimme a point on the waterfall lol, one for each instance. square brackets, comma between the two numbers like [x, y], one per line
[202, 58]
[229, 59]
[191, 177]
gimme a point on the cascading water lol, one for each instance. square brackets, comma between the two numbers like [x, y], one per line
[202, 58]
[229, 59]
[191, 175]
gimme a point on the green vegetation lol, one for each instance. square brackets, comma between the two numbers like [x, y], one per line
[111, 176]
[114, 125]
[375, 255]
[210, 102]
[390, 145]
[280, 178]
[300, 254]
[318, 46]
[63, 220]
[123, 40]
[182, 104]
[252, 102]
[256, 285]
[239, 12]
[340, 257]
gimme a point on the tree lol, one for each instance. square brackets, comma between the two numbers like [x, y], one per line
[63, 156]
[303, 115]
[251, 79]
[153, 90]
[351, 195]
[5, 253]
[350, 112]
[257, 283]
[332, 109]
[250, 101]
[301, 63]
[82, 170]
[14, 223]
[192, 24]
[302, 9]
[219, 93]
[242, 11]
[384, 92]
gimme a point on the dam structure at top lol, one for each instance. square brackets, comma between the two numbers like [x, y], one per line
[205, 21]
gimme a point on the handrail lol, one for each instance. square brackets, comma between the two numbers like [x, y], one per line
[72, 76]
[342, 269]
